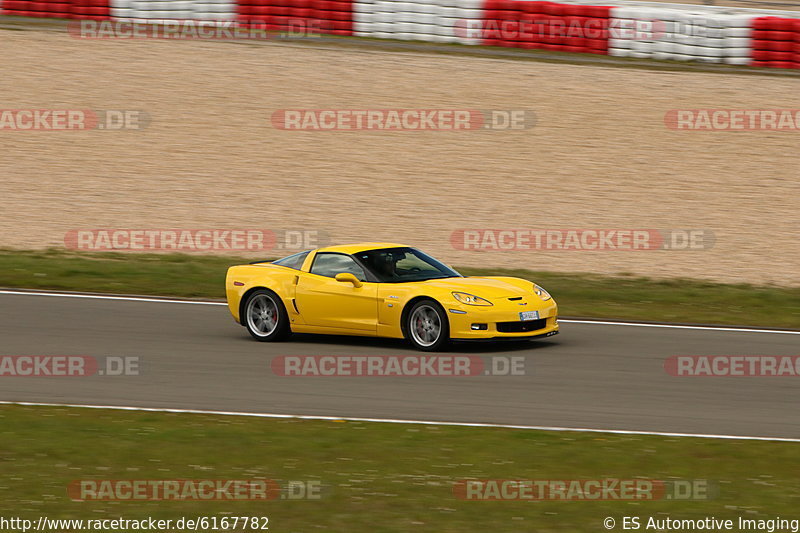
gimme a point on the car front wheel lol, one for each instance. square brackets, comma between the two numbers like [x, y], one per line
[427, 327]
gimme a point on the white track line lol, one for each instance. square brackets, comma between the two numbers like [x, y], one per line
[399, 421]
[110, 297]
[678, 326]
[561, 320]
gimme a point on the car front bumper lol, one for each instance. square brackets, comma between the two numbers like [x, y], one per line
[501, 321]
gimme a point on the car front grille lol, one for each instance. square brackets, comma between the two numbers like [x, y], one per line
[520, 327]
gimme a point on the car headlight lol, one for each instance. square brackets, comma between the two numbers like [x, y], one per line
[470, 299]
[541, 293]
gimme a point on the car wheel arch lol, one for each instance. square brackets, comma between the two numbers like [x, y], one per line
[410, 304]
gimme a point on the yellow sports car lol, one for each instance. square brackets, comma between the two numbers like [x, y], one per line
[384, 290]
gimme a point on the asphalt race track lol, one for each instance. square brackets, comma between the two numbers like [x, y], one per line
[589, 376]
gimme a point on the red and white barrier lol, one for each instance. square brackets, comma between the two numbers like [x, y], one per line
[65, 9]
[441, 21]
[776, 42]
[150, 10]
[626, 28]
[315, 16]
[681, 35]
[547, 26]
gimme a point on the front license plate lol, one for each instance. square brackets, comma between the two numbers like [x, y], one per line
[529, 315]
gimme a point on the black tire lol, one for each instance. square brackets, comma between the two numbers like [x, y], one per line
[421, 324]
[265, 317]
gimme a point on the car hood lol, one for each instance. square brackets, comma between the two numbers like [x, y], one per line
[485, 287]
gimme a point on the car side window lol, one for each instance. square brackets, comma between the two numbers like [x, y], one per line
[330, 264]
[293, 261]
[411, 263]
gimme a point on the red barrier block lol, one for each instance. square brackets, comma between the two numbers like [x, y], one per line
[508, 15]
[91, 9]
[342, 16]
[601, 45]
[509, 32]
[584, 11]
[762, 23]
[16, 8]
[551, 8]
[62, 10]
[782, 46]
[781, 56]
[541, 6]
[599, 12]
[784, 24]
[774, 24]
[491, 30]
[761, 44]
[797, 44]
[279, 11]
[776, 35]
[777, 46]
[546, 25]
[299, 12]
[770, 55]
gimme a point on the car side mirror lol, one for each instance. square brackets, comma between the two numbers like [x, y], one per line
[348, 277]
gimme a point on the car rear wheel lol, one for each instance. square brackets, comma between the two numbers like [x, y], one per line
[427, 327]
[265, 316]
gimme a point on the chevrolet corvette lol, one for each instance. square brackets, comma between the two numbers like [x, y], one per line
[384, 290]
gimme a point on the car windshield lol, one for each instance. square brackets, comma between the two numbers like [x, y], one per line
[397, 265]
